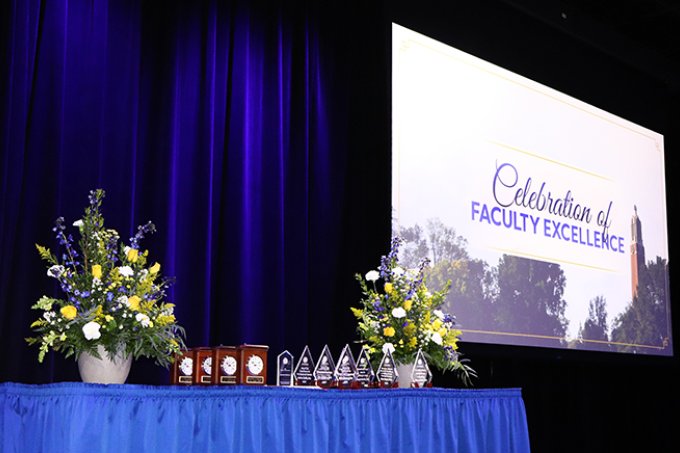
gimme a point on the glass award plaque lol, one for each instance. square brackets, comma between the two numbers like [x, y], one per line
[284, 369]
[346, 370]
[324, 373]
[421, 375]
[183, 368]
[387, 374]
[365, 373]
[226, 370]
[304, 371]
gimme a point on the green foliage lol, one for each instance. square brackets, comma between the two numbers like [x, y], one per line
[403, 316]
[111, 297]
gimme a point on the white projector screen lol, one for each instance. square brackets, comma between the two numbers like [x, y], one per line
[548, 215]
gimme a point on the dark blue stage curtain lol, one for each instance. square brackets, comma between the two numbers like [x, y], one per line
[131, 418]
[210, 118]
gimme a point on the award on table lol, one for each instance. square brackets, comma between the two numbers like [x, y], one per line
[226, 370]
[387, 374]
[346, 370]
[183, 368]
[365, 373]
[253, 360]
[284, 369]
[324, 373]
[203, 366]
[421, 375]
[304, 371]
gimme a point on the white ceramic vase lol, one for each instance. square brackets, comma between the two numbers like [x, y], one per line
[405, 371]
[104, 370]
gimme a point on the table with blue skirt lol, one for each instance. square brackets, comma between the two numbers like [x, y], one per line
[79, 417]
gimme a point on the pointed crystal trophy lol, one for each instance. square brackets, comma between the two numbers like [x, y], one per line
[346, 370]
[421, 376]
[387, 374]
[324, 373]
[284, 369]
[304, 371]
[365, 373]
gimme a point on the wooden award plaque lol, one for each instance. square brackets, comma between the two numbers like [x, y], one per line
[253, 360]
[226, 365]
[183, 368]
[203, 365]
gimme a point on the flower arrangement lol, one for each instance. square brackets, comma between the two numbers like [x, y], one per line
[111, 297]
[404, 316]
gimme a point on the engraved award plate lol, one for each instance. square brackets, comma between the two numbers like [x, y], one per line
[387, 374]
[183, 368]
[324, 373]
[346, 370]
[253, 359]
[284, 369]
[226, 370]
[365, 373]
[421, 375]
[304, 371]
[203, 366]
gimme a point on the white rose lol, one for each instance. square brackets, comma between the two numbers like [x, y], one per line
[398, 271]
[372, 276]
[388, 347]
[437, 338]
[143, 320]
[91, 330]
[126, 271]
[398, 312]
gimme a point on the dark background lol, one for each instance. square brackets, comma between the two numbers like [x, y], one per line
[619, 56]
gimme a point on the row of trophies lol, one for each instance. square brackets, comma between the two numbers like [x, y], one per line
[247, 365]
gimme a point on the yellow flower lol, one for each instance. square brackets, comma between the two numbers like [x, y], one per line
[413, 342]
[388, 287]
[410, 330]
[134, 303]
[357, 312]
[408, 304]
[68, 312]
[388, 331]
[436, 324]
[97, 271]
[442, 332]
[132, 255]
[153, 270]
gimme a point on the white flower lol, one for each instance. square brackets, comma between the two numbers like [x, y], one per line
[398, 312]
[388, 347]
[123, 300]
[126, 271]
[372, 276]
[91, 330]
[78, 223]
[398, 271]
[143, 320]
[439, 314]
[437, 338]
[49, 316]
[55, 271]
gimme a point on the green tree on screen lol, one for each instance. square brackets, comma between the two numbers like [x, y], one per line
[530, 297]
[644, 323]
[595, 326]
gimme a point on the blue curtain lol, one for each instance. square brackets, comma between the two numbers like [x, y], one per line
[212, 119]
